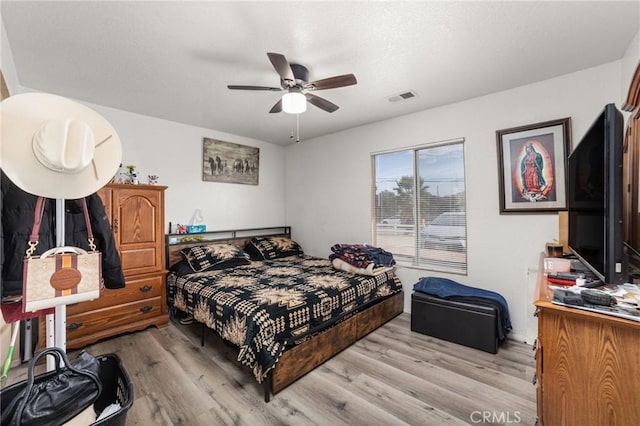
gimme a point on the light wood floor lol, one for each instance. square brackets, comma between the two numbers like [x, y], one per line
[392, 376]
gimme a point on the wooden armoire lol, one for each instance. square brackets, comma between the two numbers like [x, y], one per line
[136, 213]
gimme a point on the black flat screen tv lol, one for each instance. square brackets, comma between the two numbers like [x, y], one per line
[595, 198]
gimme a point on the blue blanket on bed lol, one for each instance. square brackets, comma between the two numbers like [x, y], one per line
[448, 289]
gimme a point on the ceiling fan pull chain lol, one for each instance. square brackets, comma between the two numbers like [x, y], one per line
[297, 128]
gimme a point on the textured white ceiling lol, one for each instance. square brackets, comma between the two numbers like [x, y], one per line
[173, 60]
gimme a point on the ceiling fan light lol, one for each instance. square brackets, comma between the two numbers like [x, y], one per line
[294, 103]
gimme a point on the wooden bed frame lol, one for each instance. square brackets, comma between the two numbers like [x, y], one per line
[296, 361]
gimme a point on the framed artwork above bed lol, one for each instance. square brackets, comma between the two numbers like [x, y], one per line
[228, 162]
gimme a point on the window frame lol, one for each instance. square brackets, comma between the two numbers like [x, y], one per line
[413, 261]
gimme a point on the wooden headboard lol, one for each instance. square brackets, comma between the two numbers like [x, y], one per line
[238, 237]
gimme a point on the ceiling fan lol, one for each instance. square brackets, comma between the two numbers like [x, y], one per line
[294, 78]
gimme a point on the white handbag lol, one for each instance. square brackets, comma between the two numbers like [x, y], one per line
[61, 275]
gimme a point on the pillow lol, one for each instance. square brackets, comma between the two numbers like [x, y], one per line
[181, 268]
[214, 256]
[267, 248]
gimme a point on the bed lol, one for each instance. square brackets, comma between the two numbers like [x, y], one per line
[285, 314]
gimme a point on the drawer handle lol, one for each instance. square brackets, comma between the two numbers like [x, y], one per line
[145, 288]
[74, 326]
[146, 309]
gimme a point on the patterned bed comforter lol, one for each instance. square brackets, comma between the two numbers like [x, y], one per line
[263, 306]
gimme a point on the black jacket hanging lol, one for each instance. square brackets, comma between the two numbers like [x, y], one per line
[18, 209]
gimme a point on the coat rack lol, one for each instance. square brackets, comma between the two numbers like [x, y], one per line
[56, 323]
[50, 155]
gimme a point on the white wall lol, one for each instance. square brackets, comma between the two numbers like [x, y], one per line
[173, 151]
[629, 63]
[328, 199]
[7, 65]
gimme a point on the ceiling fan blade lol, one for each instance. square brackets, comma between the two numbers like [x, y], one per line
[321, 103]
[282, 66]
[238, 87]
[333, 82]
[277, 107]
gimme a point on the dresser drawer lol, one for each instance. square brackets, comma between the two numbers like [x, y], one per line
[144, 287]
[140, 259]
[111, 318]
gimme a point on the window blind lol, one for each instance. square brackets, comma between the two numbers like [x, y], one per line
[419, 207]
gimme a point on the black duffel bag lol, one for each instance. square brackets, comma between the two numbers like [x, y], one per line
[55, 397]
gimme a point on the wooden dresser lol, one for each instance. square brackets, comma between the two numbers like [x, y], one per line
[136, 213]
[587, 365]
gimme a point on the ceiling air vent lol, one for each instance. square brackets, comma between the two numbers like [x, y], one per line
[402, 96]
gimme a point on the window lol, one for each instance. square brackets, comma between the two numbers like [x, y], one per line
[427, 227]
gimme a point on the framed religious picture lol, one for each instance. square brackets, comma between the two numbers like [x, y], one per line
[532, 163]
